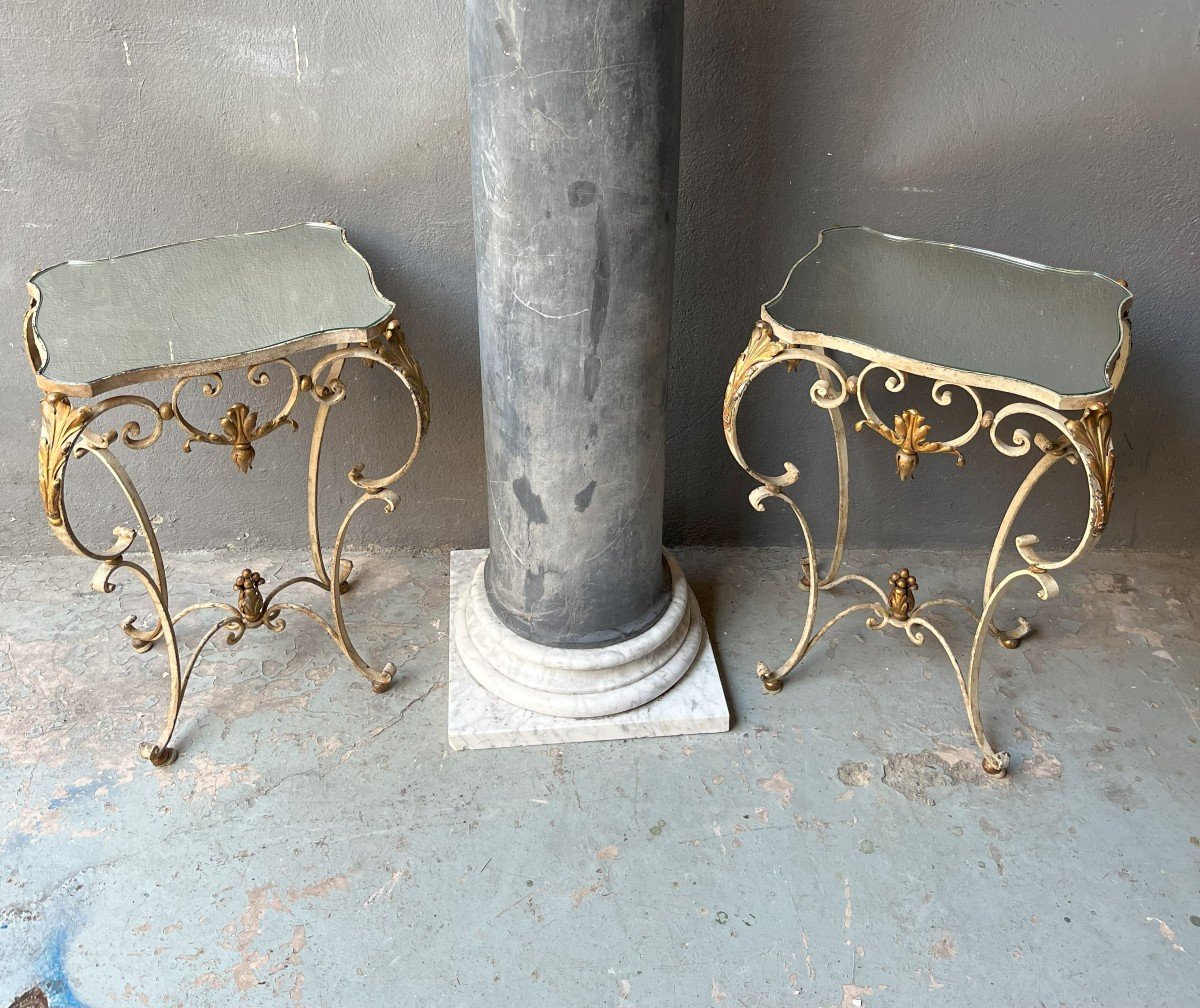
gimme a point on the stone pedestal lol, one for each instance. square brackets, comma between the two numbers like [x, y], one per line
[480, 719]
[575, 612]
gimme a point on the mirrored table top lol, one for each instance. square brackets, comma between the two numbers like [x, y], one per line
[962, 314]
[184, 309]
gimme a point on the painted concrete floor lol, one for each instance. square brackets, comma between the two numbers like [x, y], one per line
[317, 844]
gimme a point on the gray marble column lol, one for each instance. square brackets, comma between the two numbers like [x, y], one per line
[574, 625]
[575, 136]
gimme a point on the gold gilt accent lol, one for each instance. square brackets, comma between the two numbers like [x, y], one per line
[762, 348]
[901, 600]
[908, 435]
[238, 423]
[239, 429]
[249, 598]
[396, 347]
[1092, 430]
[61, 426]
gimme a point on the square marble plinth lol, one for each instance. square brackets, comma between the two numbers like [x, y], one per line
[479, 720]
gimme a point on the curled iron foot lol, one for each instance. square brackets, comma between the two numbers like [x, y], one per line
[384, 683]
[159, 757]
[996, 766]
[141, 640]
[771, 684]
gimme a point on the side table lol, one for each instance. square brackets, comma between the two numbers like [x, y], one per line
[189, 312]
[1058, 340]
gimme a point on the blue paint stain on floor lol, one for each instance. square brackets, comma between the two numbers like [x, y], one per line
[72, 793]
[13, 844]
[85, 790]
[52, 969]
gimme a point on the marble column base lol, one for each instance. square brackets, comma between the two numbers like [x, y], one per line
[667, 677]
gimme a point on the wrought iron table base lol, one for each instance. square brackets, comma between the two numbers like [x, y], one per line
[1084, 439]
[67, 433]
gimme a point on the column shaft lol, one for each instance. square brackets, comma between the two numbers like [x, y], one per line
[575, 144]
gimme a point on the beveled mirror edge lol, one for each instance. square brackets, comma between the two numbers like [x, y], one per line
[1114, 367]
[35, 349]
[322, 225]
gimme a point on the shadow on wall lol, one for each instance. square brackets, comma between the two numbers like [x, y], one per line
[1031, 132]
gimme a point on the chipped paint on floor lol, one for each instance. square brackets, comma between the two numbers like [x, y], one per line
[318, 844]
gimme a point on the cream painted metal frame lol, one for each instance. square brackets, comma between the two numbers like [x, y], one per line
[1083, 440]
[69, 432]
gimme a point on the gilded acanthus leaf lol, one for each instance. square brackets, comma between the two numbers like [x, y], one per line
[908, 435]
[61, 426]
[396, 348]
[1092, 432]
[763, 347]
[240, 428]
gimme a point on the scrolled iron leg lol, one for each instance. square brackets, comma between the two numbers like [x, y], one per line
[160, 753]
[380, 679]
[392, 353]
[1010, 637]
[829, 391]
[66, 435]
[332, 391]
[838, 423]
[995, 763]
[1085, 441]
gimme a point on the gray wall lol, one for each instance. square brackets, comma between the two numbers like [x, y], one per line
[1064, 132]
